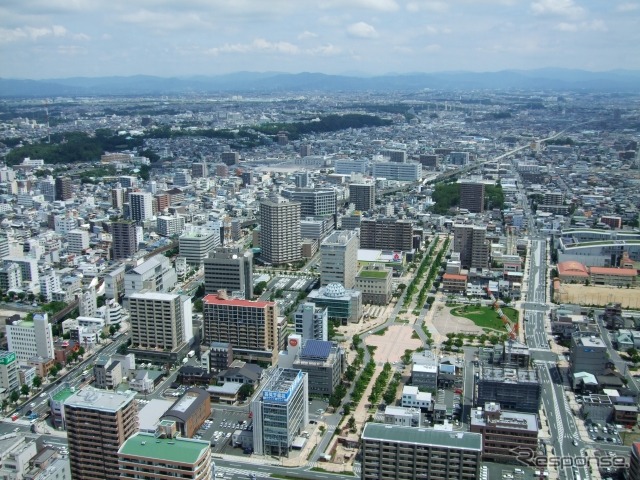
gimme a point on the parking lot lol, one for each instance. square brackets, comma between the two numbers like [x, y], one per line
[223, 424]
[604, 433]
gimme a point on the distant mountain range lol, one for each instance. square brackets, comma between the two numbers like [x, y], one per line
[623, 81]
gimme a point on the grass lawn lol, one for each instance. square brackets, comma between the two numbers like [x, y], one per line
[485, 317]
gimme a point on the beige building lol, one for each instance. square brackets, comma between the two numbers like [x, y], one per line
[374, 281]
[98, 423]
[251, 327]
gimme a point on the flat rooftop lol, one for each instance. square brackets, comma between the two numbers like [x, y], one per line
[175, 450]
[422, 436]
[373, 274]
[63, 394]
[103, 400]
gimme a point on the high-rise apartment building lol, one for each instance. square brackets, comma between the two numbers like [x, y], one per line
[98, 422]
[471, 243]
[64, 188]
[117, 197]
[229, 269]
[250, 327]
[312, 322]
[48, 189]
[161, 325]
[49, 283]
[472, 196]
[280, 238]
[199, 170]
[168, 226]
[77, 241]
[363, 196]
[148, 456]
[339, 258]
[10, 277]
[140, 207]
[386, 233]
[156, 274]
[398, 156]
[397, 452]
[182, 178]
[125, 243]
[31, 338]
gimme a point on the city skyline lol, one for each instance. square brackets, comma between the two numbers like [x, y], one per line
[57, 38]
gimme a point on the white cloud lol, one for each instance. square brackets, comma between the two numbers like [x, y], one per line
[433, 30]
[165, 21]
[71, 50]
[8, 35]
[563, 8]
[328, 50]
[627, 7]
[258, 45]
[380, 5]
[361, 30]
[428, 6]
[307, 34]
[434, 47]
[593, 26]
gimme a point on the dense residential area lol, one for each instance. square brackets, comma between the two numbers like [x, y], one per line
[423, 285]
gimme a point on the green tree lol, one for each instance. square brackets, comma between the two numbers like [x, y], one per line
[81, 351]
[14, 397]
[245, 391]
[37, 382]
[260, 288]
[351, 423]
[24, 389]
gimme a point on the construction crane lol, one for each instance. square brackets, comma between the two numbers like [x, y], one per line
[512, 327]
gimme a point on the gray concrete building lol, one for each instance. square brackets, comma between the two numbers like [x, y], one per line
[324, 363]
[280, 239]
[339, 258]
[229, 269]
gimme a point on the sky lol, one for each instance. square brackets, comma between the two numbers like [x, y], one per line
[169, 38]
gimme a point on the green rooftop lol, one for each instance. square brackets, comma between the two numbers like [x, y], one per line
[373, 274]
[422, 436]
[178, 450]
[63, 394]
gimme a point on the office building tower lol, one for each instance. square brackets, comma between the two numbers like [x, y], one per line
[199, 170]
[229, 269]
[28, 267]
[349, 167]
[128, 181]
[140, 207]
[152, 187]
[168, 226]
[553, 198]
[363, 196]
[63, 224]
[339, 258]
[161, 325]
[323, 362]
[459, 158]
[230, 158]
[314, 202]
[77, 241]
[589, 354]
[384, 233]
[280, 238]
[220, 356]
[64, 188]
[98, 423]
[280, 412]
[30, 338]
[148, 456]
[406, 453]
[48, 189]
[196, 244]
[513, 388]
[401, 172]
[302, 179]
[9, 373]
[123, 233]
[472, 196]
[471, 243]
[250, 327]
[311, 322]
[4, 246]
[283, 138]
[397, 156]
[117, 197]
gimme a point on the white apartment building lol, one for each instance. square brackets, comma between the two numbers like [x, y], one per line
[10, 278]
[77, 241]
[49, 283]
[63, 224]
[155, 274]
[168, 226]
[312, 322]
[28, 339]
[412, 397]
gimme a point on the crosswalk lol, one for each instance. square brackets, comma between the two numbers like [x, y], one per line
[357, 469]
[228, 472]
